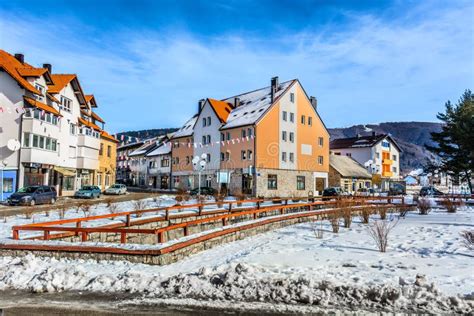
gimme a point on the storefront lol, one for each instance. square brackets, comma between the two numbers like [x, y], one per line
[35, 174]
[63, 180]
[84, 177]
[8, 183]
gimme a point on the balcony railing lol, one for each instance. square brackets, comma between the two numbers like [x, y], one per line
[387, 161]
[387, 174]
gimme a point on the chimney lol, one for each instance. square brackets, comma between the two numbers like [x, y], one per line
[373, 133]
[314, 102]
[236, 102]
[274, 87]
[49, 67]
[20, 58]
[201, 104]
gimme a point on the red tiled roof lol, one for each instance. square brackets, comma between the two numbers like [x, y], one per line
[41, 106]
[59, 82]
[221, 108]
[11, 66]
[31, 72]
[106, 135]
[88, 124]
[97, 117]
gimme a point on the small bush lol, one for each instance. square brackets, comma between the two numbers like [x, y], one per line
[334, 219]
[365, 214]
[113, 209]
[240, 197]
[317, 227]
[62, 211]
[424, 206]
[383, 213]
[379, 231]
[450, 204]
[28, 214]
[139, 205]
[86, 209]
[468, 239]
[219, 199]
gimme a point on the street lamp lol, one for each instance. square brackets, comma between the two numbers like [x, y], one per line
[199, 163]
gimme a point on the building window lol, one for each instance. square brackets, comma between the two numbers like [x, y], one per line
[243, 155]
[209, 121]
[165, 162]
[292, 117]
[394, 169]
[292, 97]
[228, 136]
[101, 149]
[283, 156]
[222, 156]
[204, 121]
[109, 150]
[72, 129]
[283, 135]
[208, 139]
[310, 121]
[249, 132]
[285, 114]
[303, 119]
[292, 157]
[249, 155]
[208, 158]
[227, 155]
[377, 155]
[40, 88]
[222, 137]
[300, 182]
[244, 133]
[320, 141]
[292, 137]
[320, 160]
[272, 182]
[188, 160]
[26, 139]
[204, 139]
[349, 154]
[394, 157]
[41, 142]
[66, 103]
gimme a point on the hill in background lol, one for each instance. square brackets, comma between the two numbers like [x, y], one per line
[411, 136]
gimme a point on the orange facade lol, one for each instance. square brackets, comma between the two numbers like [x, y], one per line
[310, 135]
[267, 149]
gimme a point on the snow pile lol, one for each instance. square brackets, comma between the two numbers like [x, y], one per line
[227, 283]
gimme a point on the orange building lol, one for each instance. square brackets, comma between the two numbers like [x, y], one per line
[267, 142]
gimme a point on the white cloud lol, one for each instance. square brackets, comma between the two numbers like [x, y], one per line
[375, 69]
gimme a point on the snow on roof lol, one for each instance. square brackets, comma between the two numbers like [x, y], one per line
[348, 167]
[187, 129]
[252, 105]
[160, 150]
[147, 145]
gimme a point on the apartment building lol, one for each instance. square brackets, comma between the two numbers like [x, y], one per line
[123, 166]
[379, 153]
[266, 142]
[50, 117]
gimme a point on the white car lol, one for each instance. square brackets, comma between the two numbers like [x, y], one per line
[116, 189]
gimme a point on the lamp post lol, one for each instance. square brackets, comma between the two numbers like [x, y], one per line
[199, 163]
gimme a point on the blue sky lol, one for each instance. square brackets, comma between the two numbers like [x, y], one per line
[149, 62]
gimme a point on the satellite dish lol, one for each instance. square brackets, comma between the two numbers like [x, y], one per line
[13, 144]
[203, 156]
[368, 163]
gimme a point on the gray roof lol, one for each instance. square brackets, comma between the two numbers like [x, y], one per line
[348, 167]
[187, 129]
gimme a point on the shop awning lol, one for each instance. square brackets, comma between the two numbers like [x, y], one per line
[66, 171]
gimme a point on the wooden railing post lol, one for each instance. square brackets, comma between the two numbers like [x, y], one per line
[78, 225]
[161, 237]
[167, 214]
[200, 209]
[123, 238]
[258, 204]
[224, 221]
[230, 207]
[84, 236]
[186, 231]
[46, 235]
[15, 234]
[127, 222]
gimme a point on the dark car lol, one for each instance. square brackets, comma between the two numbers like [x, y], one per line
[204, 191]
[32, 195]
[88, 192]
[333, 191]
[430, 191]
[397, 189]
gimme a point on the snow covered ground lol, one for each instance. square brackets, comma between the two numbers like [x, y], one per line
[426, 268]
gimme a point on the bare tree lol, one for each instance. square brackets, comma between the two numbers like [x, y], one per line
[113, 209]
[334, 218]
[317, 227]
[138, 206]
[424, 206]
[365, 213]
[468, 239]
[379, 231]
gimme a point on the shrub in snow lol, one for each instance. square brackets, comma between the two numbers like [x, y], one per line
[317, 227]
[365, 213]
[138, 206]
[28, 213]
[345, 208]
[424, 206]
[334, 218]
[85, 209]
[113, 209]
[379, 231]
[468, 239]
[383, 213]
[62, 211]
[450, 204]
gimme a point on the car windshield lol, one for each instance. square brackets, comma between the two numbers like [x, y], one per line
[115, 186]
[28, 190]
[87, 188]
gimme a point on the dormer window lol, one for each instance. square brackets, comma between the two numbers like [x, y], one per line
[40, 88]
[66, 103]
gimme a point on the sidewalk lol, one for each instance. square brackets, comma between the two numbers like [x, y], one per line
[6, 210]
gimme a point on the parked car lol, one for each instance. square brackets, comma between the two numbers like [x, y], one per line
[430, 191]
[88, 192]
[204, 191]
[333, 191]
[116, 189]
[32, 195]
[396, 189]
[367, 192]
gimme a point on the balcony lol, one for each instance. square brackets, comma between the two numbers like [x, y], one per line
[34, 126]
[87, 163]
[387, 161]
[88, 141]
[37, 155]
[387, 174]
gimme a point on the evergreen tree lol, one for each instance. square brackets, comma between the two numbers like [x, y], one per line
[455, 142]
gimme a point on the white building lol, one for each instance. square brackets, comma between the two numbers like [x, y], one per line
[380, 154]
[42, 112]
